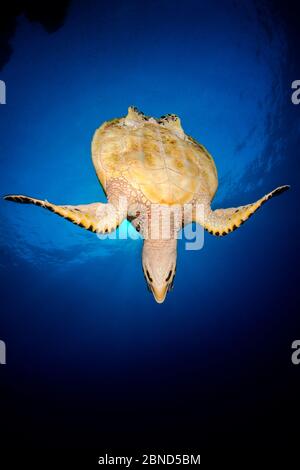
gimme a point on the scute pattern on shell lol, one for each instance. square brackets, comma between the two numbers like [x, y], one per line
[154, 156]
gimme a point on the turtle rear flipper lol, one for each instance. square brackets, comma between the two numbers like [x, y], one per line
[96, 217]
[220, 222]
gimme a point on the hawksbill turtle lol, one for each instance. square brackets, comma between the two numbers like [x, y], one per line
[151, 165]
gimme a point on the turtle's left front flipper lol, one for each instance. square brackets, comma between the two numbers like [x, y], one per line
[220, 222]
[96, 217]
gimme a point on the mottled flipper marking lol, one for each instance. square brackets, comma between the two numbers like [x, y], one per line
[172, 122]
[96, 217]
[223, 221]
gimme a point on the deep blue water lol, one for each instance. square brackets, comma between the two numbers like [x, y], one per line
[91, 358]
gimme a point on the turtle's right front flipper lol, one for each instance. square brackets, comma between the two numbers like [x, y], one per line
[220, 222]
[96, 217]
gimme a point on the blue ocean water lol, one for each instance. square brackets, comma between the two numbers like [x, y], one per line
[89, 352]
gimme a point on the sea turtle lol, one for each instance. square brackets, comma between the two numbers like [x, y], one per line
[146, 165]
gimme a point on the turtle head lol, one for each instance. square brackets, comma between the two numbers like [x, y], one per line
[159, 266]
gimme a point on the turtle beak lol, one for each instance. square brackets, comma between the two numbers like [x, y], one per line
[160, 294]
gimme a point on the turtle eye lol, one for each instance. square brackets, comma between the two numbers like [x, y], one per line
[147, 282]
[148, 276]
[171, 285]
[169, 276]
